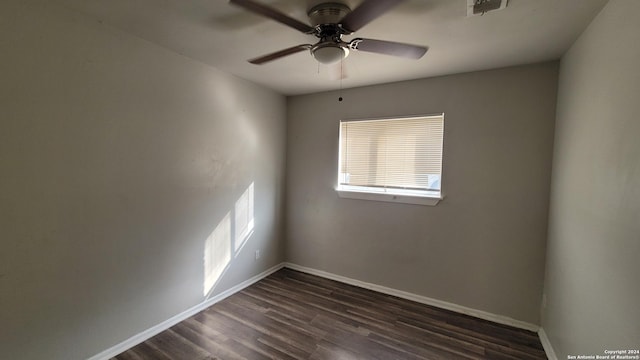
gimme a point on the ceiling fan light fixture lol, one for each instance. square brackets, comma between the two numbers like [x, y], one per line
[329, 53]
[332, 20]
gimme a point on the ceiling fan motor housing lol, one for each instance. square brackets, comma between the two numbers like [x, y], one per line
[328, 13]
[325, 18]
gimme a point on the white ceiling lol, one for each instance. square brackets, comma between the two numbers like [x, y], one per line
[224, 36]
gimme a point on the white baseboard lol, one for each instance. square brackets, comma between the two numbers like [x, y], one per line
[546, 344]
[419, 298]
[151, 332]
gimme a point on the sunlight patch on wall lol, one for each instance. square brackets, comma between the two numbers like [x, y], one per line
[244, 220]
[217, 253]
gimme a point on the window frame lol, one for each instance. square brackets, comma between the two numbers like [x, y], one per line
[406, 196]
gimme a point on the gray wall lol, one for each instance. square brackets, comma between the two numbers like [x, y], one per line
[118, 159]
[592, 278]
[483, 246]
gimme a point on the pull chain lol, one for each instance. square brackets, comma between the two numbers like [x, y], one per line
[341, 76]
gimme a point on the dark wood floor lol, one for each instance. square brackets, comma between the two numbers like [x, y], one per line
[292, 315]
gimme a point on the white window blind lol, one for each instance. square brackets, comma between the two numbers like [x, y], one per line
[392, 154]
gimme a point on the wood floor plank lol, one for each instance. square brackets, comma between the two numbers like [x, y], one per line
[243, 339]
[268, 327]
[204, 338]
[146, 350]
[177, 347]
[293, 315]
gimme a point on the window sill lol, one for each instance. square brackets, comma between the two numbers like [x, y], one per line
[427, 200]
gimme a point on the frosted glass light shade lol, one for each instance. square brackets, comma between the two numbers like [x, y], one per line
[329, 54]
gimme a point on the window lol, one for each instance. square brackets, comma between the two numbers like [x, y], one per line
[395, 159]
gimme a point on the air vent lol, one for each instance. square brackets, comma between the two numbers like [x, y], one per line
[480, 7]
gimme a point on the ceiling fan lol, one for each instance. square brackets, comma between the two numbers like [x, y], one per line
[330, 21]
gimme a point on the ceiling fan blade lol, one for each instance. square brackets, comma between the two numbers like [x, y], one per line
[278, 54]
[274, 14]
[366, 12]
[388, 47]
